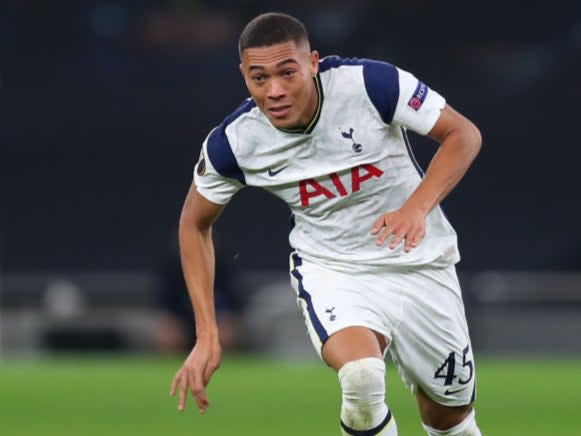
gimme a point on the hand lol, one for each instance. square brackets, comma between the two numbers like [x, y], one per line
[195, 373]
[407, 224]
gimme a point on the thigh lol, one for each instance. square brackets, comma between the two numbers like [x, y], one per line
[431, 347]
[331, 302]
[353, 343]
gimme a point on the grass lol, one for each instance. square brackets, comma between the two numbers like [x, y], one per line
[129, 396]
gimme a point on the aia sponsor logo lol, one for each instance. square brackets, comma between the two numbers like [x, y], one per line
[310, 188]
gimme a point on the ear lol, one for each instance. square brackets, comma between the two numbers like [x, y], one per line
[241, 67]
[314, 64]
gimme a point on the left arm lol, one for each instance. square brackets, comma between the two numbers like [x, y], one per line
[460, 142]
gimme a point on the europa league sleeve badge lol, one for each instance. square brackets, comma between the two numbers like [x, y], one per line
[201, 165]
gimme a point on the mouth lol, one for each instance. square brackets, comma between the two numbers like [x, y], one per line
[279, 111]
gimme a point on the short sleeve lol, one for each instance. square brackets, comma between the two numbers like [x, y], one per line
[209, 181]
[418, 107]
[382, 87]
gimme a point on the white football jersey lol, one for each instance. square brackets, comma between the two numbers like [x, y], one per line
[338, 175]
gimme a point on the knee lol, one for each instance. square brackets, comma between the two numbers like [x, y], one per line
[363, 380]
[363, 408]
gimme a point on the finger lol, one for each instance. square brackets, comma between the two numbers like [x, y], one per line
[198, 391]
[396, 240]
[413, 241]
[174, 384]
[410, 240]
[204, 404]
[383, 235]
[379, 224]
[420, 237]
[199, 394]
[183, 394]
[409, 244]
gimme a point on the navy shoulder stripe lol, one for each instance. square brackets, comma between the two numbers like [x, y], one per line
[329, 62]
[219, 148]
[381, 82]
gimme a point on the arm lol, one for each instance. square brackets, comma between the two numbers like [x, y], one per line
[197, 256]
[460, 142]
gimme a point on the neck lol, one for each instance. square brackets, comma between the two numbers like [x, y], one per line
[311, 115]
[313, 102]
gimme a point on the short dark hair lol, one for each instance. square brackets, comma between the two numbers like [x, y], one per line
[272, 28]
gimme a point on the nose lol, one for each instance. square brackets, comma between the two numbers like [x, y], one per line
[276, 90]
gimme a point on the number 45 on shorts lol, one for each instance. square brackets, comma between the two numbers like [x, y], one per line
[448, 371]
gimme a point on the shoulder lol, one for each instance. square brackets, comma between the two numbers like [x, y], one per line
[219, 136]
[379, 79]
[220, 143]
[369, 68]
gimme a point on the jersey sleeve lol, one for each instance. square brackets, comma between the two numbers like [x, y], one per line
[382, 87]
[217, 175]
[418, 106]
[401, 98]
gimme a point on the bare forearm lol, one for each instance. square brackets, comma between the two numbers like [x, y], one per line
[448, 166]
[197, 257]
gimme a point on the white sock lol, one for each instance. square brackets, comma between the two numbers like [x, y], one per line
[363, 410]
[467, 427]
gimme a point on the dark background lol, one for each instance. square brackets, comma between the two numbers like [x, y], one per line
[104, 105]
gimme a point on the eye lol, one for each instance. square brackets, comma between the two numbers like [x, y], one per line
[259, 78]
[288, 73]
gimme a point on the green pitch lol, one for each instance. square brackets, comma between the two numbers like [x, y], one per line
[129, 396]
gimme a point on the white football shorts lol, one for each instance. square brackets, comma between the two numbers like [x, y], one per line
[420, 311]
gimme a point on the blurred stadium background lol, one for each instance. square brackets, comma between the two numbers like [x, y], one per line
[103, 107]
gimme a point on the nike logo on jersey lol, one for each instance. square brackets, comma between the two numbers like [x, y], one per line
[273, 173]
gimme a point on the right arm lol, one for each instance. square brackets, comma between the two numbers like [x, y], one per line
[197, 257]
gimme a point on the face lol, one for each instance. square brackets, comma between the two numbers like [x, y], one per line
[280, 80]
